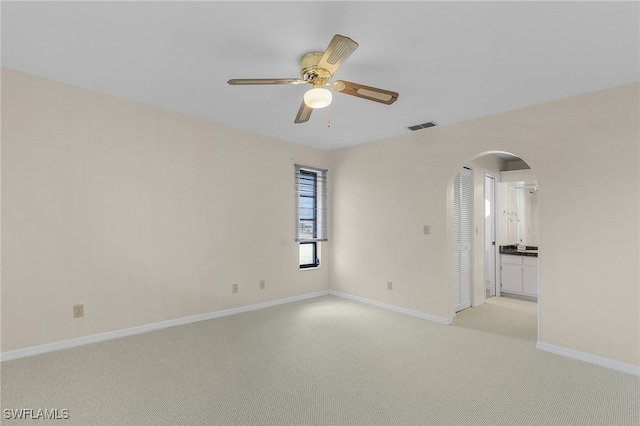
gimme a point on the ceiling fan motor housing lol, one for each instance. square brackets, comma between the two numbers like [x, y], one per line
[309, 70]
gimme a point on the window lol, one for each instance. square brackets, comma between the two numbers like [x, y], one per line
[309, 255]
[311, 202]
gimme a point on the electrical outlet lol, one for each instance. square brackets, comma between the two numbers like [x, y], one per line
[426, 230]
[78, 311]
[235, 288]
[389, 285]
[261, 284]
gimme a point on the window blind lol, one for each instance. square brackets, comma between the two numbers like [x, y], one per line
[311, 204]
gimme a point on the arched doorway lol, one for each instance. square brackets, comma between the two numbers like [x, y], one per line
[504, 257]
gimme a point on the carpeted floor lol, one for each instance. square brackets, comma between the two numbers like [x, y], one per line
[322, 361]
[506, 316]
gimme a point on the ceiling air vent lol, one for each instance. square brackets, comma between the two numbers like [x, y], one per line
[422, 126]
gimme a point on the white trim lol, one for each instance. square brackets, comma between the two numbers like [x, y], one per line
[109, 335]
[593, 359]
[482, 302]
[496, 230]
[399, 309]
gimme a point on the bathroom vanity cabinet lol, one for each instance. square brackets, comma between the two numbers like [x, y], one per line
[519, 274]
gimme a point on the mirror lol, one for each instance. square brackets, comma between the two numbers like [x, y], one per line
[526, 207]
[519, 207]
[519, 202]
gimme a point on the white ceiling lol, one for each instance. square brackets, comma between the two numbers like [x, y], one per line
[450, 61]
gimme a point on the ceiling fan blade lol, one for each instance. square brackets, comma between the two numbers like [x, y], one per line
[337, 52]
[303, 113]
[365, 92]
[249, 81]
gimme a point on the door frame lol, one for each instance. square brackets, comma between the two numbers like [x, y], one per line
[496, 223]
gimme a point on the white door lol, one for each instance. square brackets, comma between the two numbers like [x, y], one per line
[462, 239]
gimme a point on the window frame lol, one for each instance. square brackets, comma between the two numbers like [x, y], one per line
[308, 175]
[316, 258]
[311, 186]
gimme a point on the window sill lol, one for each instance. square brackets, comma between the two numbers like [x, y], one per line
[311, 268]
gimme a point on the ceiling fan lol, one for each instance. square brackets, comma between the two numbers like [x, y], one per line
[317, 69]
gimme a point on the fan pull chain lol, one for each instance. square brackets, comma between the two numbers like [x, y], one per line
[329, 116]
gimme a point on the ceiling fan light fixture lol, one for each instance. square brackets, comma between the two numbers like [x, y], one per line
[318, 97]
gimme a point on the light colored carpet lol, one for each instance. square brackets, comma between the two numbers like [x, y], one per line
[506, 316]
[323, 361]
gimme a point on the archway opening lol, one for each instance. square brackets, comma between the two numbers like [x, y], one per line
[504, 265]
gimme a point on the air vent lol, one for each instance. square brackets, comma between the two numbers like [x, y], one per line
[422, 126]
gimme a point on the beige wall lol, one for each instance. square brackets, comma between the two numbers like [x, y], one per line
[145, 215]
[584, 152]
[141, 214]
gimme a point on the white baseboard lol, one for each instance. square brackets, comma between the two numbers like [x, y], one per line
[434, 318]
[66, 344]
[94, 338]
[593, 359]
[480, 303]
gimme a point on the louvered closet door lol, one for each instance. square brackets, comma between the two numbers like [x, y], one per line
[462, 239]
